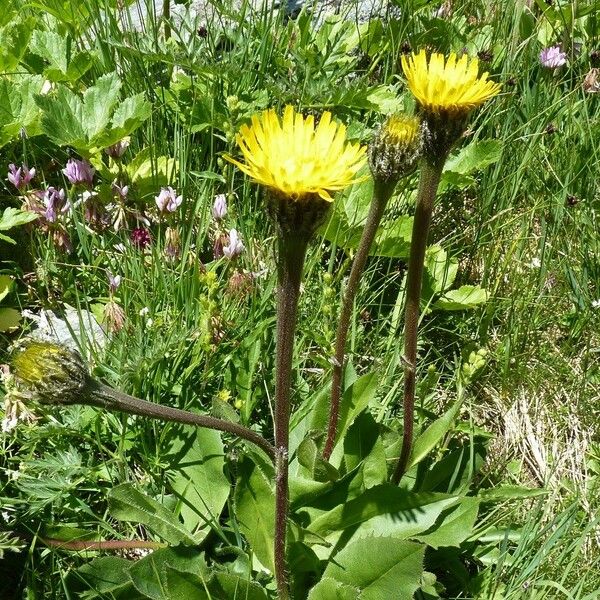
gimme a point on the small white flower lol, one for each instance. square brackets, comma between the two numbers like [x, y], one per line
[596, 303]
[535, 263]
[149, 323]
[9, 423]
[144, 311]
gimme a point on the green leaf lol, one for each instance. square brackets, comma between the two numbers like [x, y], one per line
[52, 47]
[354, 400]
[6, 284]
[14, 38]
[148, 172]
[475, 157]
[128, 504]
[228, 586]
[18, 109]
[510, 492]
[13, 217]
[429, 439]
[10, 318]
[98, 103]
[171, 573]
[441, 270]
[106, 577]
[330, 589]
[465, 297]
[454, 526]
[255, 510]
[404, 513]
[380, 567]
[196, 460]
[309, 456]
[91, 122]
[363, 446]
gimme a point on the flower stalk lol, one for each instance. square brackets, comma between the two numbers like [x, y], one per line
[431, 172]
[290, 262]
[382, 192]
[52, 374]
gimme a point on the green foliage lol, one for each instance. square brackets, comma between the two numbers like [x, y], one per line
[93, 121]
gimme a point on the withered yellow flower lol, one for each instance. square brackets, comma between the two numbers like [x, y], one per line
[294, 158]
[451, 86]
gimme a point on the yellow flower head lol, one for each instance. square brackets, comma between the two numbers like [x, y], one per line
[452, 86]
[402, 129]
[295, 158]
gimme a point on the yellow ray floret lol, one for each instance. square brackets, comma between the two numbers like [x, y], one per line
[296, 158]
[452, 86]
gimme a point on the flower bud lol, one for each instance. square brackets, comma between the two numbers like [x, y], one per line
[396, 148]
[50, 373]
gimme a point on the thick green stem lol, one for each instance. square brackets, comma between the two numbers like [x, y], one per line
[290, 261]
[103, 396]
[431, 172]
[381, 194]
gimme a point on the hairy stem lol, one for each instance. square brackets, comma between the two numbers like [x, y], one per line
[100, 545]
[431, 172]
[290, 261]
[103, 396]
[381, 194]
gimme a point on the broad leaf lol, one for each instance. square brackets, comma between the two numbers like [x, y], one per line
[227, 586]
[196, 461]
[129, 504]
[6, 284]
[10, 318]
[171, 573]
[331, 589]
[18, 110]
[106, 577]
[465, 297]
[380, 567]
[255, 510]
[471, 158]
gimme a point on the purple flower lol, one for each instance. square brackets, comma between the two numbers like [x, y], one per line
[20, 177]
[117, 150]
[219, 209]
[235, 246]
[140, 237]
[168, 200]
[552, 57]
[54, 203]
[114, 281]
[79, 172]
[120, 190]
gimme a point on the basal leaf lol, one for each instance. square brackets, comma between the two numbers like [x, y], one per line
[129, 504]
[255, 510]
[380, 567]
[331, 589]
[63, 118]
[196, 461]
[52, 47]
[6, 284]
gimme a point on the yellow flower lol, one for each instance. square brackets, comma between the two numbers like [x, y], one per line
[452, 86]
[295, 158]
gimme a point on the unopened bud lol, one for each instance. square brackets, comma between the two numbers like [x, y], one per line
[396, 148]
[50, 373]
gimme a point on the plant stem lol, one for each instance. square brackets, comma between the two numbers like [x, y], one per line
[290, 261]
[381, 194]
[431, 172]
[103, 396]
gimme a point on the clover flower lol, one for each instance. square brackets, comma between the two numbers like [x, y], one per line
[20, 177]
[553, 57]
[54, 203]
[168, 200]
[140, 237]
[235, 246]
[79, 172]
[219, 208]
[117, 150]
